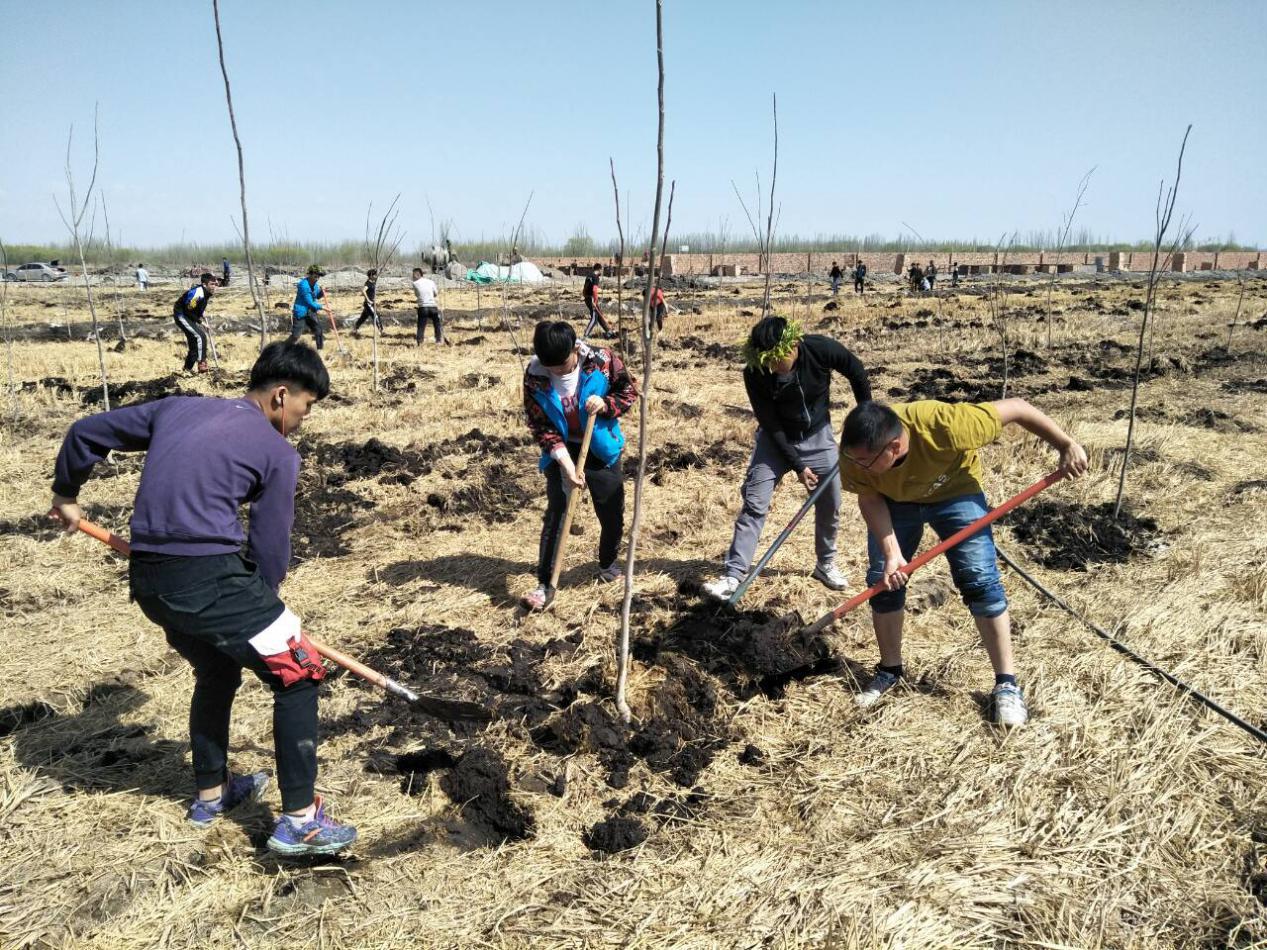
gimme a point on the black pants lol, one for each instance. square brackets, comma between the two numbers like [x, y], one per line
[596, 316]
[368, 314]
[429, 315]
[606, 485]
[858, 283]
[196, 337]
[660, 311]
[210, 607]
[313, 323]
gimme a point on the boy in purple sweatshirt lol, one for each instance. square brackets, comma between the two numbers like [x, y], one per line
[219, 607]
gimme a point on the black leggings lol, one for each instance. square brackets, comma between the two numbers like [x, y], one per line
[196, 337]
[606, 486]
[430, 315]
[210, 607]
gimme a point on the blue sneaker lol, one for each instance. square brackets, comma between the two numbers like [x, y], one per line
[238, 789]
[319, 835]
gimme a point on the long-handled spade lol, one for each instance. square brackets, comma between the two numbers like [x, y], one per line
[823, 484]
[566, 528]
[829, 618]
[448, 709]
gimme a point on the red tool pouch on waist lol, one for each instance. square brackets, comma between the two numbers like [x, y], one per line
[300, 661]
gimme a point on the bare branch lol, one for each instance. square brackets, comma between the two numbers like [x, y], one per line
[622, 649]
[237, 141]
[1162, 216]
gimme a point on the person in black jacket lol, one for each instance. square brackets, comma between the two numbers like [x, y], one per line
[788, 379]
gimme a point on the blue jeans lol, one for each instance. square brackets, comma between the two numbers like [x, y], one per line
[973, 563]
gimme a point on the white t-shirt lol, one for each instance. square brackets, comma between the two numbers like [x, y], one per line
[567, 388]
[142, 275]
[426, 290]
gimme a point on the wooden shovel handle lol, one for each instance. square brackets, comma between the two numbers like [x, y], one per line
[571, 508]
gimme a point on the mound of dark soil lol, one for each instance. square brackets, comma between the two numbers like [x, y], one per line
[132, 391]
[410, 654]
[945, 385]
[752, 755]
[752, 652]
[720, 352]
[613, 835]
[1020, 363]
[392, 466]
[1073, 537]
[675, 457]
[404, 379]
[59, 384]
[679, 736]
[479, 785]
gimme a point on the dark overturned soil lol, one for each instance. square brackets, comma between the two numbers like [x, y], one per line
[1073, 537]
[479, 784]
[947, 386]
[675, 457]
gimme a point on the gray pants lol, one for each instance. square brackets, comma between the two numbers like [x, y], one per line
[766, 467]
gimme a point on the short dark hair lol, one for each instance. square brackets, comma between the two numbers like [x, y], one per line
[372, 272]
[767, 334]
[553, 341]
[870, 425]
[597, 267]
[206, 276]
[296, 363]
[417, 270]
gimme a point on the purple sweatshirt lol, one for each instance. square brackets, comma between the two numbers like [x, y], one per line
[206, 457]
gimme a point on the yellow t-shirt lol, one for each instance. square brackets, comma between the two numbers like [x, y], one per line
[942, 461]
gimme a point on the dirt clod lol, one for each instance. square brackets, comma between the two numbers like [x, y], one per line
[613, 835]
[1073, 537]
[480, 786]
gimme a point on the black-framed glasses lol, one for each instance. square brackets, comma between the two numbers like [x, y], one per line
[867, 466]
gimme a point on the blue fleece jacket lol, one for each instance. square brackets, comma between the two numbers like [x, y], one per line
[306, 295]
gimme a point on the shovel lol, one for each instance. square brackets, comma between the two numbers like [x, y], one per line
[963, 534]
[566, 528]
[447, 709]
[823, 484]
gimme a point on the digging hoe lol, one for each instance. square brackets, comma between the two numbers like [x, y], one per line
[963, 534]
[447, 709]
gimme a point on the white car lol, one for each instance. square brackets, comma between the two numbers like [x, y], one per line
[44, 272]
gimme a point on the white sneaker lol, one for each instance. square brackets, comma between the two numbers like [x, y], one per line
[880, 684]
[830, 577]
[722, 588]
[613, 571]
[1009, 706]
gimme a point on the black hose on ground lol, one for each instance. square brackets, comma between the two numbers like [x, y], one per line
[1122, 648]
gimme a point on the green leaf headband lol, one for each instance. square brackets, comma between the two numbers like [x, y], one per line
[761, 359]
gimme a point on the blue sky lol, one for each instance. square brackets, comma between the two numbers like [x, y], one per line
[962, 119]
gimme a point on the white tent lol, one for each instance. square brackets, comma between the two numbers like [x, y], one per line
[525, 272]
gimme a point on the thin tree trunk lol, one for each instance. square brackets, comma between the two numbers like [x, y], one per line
[73, 222]
[620, 266]
[237, 141]
[8, 333]
[1164, 213]
[1240, 279]
[622, 648]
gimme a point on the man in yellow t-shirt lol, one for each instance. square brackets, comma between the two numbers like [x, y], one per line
[917, 464]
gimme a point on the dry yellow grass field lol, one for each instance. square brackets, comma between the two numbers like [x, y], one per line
[774, 812]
